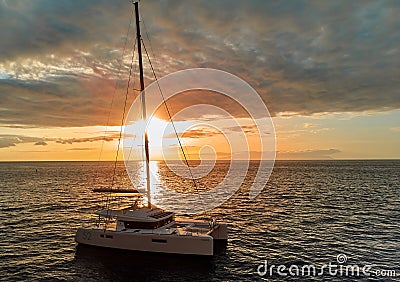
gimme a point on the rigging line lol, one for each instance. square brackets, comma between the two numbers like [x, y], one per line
[153, 55]
[113, 97]
[131, 149]
[120, 132]
[148, 38]
[172, 122]
[123, 116]
[116, 83]
[133, 88]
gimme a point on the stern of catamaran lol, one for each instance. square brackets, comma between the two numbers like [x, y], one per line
[220, 232]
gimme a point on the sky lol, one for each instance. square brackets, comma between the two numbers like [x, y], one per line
[328, 71]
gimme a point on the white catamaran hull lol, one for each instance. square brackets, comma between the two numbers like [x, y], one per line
[130, 240]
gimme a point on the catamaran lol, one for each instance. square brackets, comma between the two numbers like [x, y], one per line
[145, 227]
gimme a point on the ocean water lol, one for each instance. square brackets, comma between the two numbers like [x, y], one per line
[310, 213]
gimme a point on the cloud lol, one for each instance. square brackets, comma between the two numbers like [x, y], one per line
[205, 132]
[13, 140]
[40, 26]
[87, 139]
[395, 129]
[309, 125]
[304, 57]
[197, 132]
[208, 131]
[59, 102]
[248, 129]
[60, 59]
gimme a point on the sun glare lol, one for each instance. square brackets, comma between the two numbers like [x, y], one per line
[156, 130]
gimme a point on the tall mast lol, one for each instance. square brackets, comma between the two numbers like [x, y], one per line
[146, 139]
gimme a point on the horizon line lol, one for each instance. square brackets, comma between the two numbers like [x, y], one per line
[225, 160]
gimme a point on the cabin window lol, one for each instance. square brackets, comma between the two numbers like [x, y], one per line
[147, 225]
[158, 240]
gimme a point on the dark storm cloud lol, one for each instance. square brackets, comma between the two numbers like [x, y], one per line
[303, 57]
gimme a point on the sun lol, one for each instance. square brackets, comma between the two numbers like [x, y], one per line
[163, 142]
[156, 131]
[161, 137]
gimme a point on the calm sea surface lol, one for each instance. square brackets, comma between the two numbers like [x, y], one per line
[309, 213]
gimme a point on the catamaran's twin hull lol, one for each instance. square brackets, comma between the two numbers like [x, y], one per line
[148, 242]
